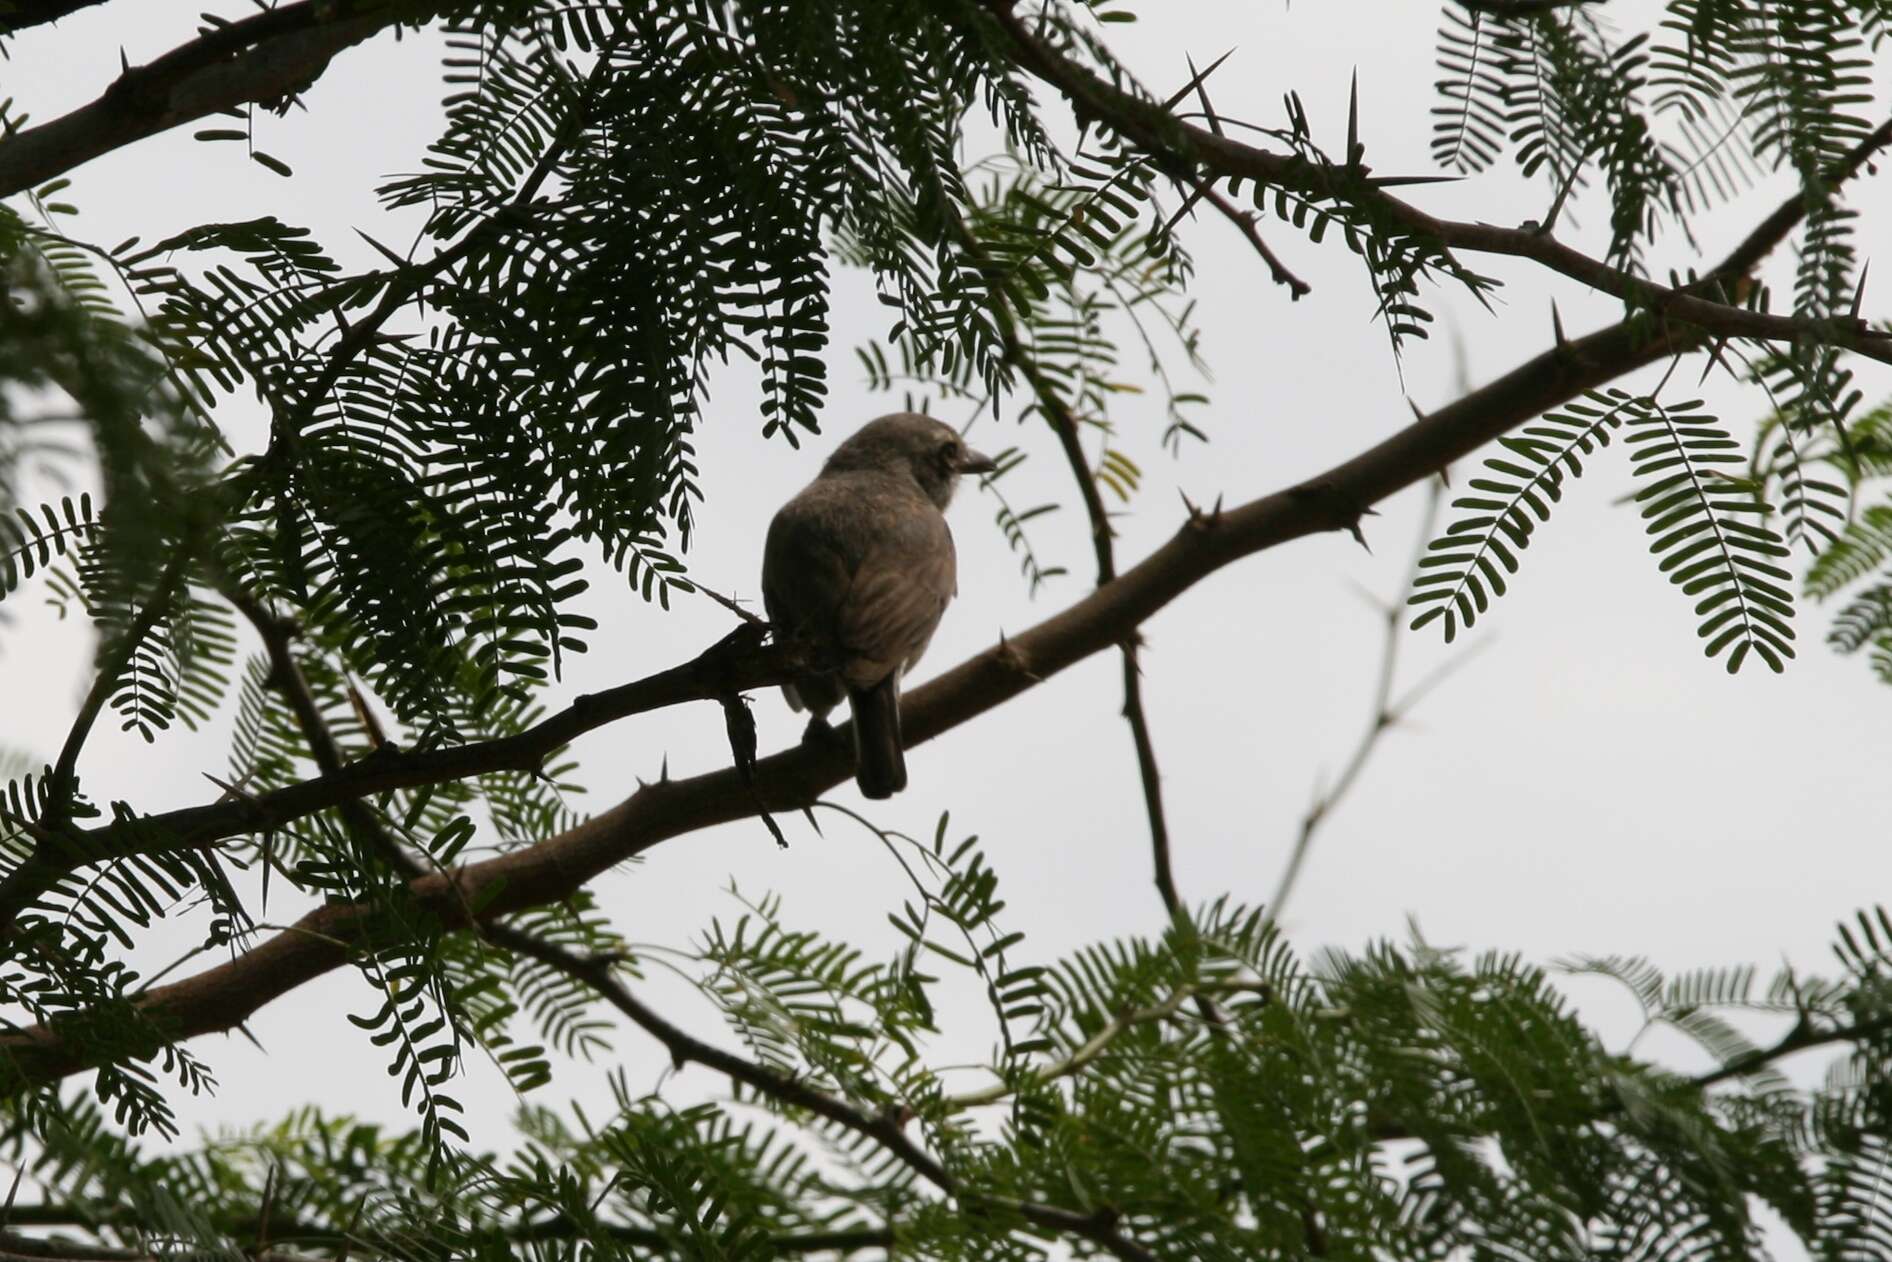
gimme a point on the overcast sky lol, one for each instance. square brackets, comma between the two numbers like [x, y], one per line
[1589, 783]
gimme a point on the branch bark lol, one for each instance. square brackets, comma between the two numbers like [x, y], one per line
[269, 55]
[18, 15]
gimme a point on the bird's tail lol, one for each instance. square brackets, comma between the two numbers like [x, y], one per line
[880, 768]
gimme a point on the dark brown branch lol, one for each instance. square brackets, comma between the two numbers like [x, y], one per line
[286, 675]
[1521, 8]
[886, 1129]
[1712, 305]
[735, 664]
[1063, 424]
[268, 55]
[18, 15]
[1803, 1037]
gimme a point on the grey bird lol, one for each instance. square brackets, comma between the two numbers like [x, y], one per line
[861, 565]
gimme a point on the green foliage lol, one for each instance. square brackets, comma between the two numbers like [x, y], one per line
[1695, 514]
[1221, 1097]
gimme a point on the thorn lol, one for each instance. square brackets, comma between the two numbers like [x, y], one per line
[1557, 327]
[1012, 660]
[1445, 477]
[1196, 82]
[1715, 349]
[808, 813]
[1359, 535]
[124, 63]
[1215, 514]
[1402, 181]
[663, 773]
[1859, 292]
[400, 263]
[1354, 149]
[6, 1211]
[1417, 415]
[377, 738]
[1202, 95]
[269, 862]
[1189, 504]
[233, 789]
[243, 1028]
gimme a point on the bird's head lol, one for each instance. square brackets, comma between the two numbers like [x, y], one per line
[909, 443]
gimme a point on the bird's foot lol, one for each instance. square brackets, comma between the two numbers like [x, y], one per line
[821, 733]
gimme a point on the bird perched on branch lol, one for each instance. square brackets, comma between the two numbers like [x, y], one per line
[861, 565]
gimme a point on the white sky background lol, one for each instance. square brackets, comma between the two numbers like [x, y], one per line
[1589, 784]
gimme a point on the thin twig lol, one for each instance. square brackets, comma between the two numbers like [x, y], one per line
[1065, 426]
[106, 680]
[1386, 711]
[885, 1129]
[1092, 1048]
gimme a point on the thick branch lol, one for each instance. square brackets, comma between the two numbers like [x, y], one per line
[735, 664]
[17, 15]
[269, 55]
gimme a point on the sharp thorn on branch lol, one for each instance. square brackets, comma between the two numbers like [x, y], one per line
[1196, 79]
[1355, 150]
[6, 1211]
[1859, 291]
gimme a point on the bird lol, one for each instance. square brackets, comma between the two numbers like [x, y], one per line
[860, 565]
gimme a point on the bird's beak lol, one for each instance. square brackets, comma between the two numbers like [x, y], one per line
[977, 462]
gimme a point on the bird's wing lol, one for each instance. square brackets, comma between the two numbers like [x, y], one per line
[900, 589]
[805, 577]
[805, 571]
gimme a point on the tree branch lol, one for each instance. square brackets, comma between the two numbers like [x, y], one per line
[1803, 1037]
[1063, 424]
[105, 681]
[1385, 713]
[736, 663]
[1183, 149]
[1092, 1048]
[268, 55]
[885, 1129]
[18, 15]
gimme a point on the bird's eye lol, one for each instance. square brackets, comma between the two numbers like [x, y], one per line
[948, 451]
